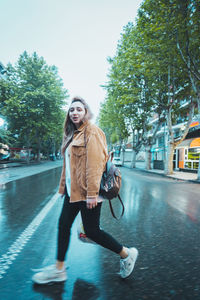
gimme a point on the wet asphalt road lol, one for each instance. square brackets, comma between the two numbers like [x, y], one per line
[162, 219]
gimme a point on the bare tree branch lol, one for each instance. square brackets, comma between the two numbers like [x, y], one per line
[187, 127]
[196, 74]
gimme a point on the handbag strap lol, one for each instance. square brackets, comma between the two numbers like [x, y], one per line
[85, 136]
[112, 211]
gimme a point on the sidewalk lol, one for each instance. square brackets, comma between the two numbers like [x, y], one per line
[14, 164]
[11, 165]
[14, 171]
[176, 174]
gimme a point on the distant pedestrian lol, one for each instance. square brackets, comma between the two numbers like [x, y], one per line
[85, 155]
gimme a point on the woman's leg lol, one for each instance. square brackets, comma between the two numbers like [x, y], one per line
[57, 273]
[68, 214]
[91, 219]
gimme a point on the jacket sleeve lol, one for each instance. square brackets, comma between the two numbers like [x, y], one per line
[62, 180]
[96, 157]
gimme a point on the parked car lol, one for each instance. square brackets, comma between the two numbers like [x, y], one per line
[117, 161]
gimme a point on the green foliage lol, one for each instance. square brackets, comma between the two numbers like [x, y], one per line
[5, 137]
[33, 101]
[111, 120]
[156, 67]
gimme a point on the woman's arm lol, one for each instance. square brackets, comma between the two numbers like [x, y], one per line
[62, 180]
[96, 157]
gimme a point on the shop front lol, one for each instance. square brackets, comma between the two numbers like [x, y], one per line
[188, 154]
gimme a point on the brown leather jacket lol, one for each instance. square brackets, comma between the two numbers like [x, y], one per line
[88, 157]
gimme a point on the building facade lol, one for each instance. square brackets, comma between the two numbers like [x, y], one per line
[187, 153]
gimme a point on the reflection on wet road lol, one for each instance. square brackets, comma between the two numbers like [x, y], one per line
[22, 199]
[162, 219]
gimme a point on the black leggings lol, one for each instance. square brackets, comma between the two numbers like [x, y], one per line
[90, 219]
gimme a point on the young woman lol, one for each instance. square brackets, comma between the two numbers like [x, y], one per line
[85, 155]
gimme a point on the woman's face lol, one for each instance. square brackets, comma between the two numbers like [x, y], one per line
[77, 113]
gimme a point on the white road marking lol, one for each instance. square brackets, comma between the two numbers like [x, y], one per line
[14, 250]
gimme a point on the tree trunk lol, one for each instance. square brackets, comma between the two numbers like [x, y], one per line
[148, 158]
[198, 174]
[38, 155]
[28, 150]
[38, 148]
[198, 102]
[171, 143]
[53, 147]
[169, 162]
[194, 79]
[123, 154]
[28, 157]
[133, 161]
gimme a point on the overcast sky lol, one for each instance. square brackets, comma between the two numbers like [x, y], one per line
[77, 36]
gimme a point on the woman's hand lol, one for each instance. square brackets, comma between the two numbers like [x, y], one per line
[91, 202]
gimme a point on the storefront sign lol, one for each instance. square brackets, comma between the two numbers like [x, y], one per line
[193, 124]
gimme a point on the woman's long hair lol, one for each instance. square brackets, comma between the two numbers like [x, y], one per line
[69, 126]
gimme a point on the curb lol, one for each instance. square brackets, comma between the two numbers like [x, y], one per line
[10, 165]
[163, 175]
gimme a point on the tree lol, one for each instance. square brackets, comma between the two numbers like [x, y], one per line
[188, 40]
[112, 122]
[34, 106]
[156, 70]
[128, 85]
[156, 23]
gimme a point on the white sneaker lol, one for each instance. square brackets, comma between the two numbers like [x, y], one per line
[50, 274]
[127, 264]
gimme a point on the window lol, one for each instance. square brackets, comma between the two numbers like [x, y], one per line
[161, 141]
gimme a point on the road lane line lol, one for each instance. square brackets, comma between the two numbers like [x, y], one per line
[14, 250]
